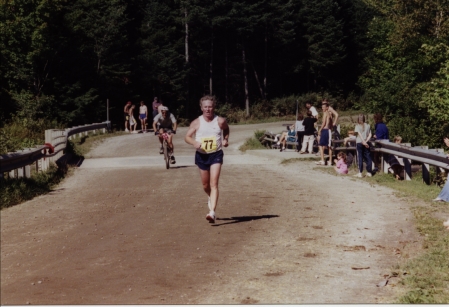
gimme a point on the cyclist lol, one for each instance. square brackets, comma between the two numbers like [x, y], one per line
[167, 122]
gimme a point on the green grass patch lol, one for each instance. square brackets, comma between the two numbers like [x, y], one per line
[17, 190]
[253, 143]
[295, 160]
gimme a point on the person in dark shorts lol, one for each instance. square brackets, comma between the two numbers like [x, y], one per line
[211, 134]
[126, 115]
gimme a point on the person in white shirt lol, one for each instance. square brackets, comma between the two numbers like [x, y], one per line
[211, 134]
[312, 109]
[143, 115]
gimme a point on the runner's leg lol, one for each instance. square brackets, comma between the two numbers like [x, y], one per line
[215, 170]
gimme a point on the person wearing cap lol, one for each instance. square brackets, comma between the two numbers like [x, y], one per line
[167, 122]
[126, 111]
[211, 135]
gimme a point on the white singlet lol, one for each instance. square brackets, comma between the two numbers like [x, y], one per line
[209, 135]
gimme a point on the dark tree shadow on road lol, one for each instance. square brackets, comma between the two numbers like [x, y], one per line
[240, 219]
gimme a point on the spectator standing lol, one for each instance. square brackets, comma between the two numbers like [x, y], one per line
[312, 109]
[299, 127]
[330, 118]
[126, 115]
[380, 133]
[309, 133]
[363, 131]
[444, 194]
[155, 106]
[143, 115]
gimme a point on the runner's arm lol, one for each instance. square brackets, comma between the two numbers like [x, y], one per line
[335, 115]
[189, 135]
[225, 127]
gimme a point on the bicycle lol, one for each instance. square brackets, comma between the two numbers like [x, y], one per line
[165, 146]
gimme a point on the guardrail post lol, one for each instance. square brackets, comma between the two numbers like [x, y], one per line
[407, 169]
[12, 174]
[426, 173]
[104, 130]
[20, 172]
[384, 163]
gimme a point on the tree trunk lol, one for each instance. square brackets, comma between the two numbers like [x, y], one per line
[246, 82]
[211, 62]
[265, 65]
[187, 37]
[226, 74]
[258, 83]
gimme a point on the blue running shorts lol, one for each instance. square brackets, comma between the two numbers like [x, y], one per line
[204, 161]
[325, 138]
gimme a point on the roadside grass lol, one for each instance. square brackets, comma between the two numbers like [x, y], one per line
[14, 191]
[294, 160]
[424, 279]
[253, 142]
[18, 190]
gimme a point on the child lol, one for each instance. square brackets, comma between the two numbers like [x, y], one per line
[341, 166]
[351, 137]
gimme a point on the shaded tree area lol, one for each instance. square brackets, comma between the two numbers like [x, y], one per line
[61, 60]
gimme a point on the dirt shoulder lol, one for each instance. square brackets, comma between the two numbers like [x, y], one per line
[123, 233]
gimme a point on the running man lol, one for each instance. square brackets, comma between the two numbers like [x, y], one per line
[143, 115]
[167, 121]
[211, 133]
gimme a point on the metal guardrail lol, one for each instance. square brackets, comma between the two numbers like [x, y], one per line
[427, 157]
[18, 164]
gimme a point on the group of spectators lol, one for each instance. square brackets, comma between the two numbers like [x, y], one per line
[305, 132]
[130, 120]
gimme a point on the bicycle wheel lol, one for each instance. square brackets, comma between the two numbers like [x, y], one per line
[166, 157]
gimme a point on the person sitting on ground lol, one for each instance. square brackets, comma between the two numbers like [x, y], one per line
[444, 194]
[309, 133]
[299, 127]
[350, 138]
[341, 164]
[287, 136]
[395, 167]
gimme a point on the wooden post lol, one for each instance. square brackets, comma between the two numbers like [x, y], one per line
[407, 169]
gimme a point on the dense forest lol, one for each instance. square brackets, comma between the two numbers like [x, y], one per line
[61, 60]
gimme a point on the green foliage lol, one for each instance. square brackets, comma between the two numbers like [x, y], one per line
[19, 133]
[15, 191]
[253, 143]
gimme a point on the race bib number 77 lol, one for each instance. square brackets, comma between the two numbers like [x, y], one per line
[209, 144]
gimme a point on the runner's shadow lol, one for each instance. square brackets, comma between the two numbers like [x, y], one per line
[240, 219]
[182, 166]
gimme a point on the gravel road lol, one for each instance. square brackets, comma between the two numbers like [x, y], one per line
[124, 230]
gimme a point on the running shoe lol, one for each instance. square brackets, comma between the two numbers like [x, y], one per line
[126, 130]
[172, 159]
[161, 151]
[210, 217]
[369, 175]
